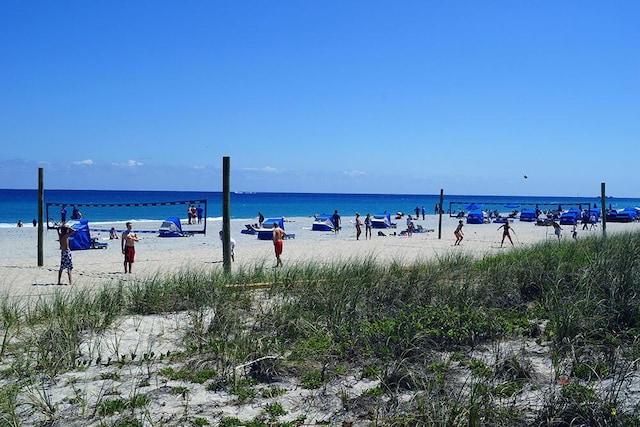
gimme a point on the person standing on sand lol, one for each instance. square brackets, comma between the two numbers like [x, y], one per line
[66, 263]
[232, 246]
[458, 233]
[336, 222]
[129, 238]
[260, 219]
[505, 233]
[368, 225]
[278, 242]
[358, 226]
[199, 212]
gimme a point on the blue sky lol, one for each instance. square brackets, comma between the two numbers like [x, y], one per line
[322, 96]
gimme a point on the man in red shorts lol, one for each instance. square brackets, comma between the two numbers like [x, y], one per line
[278, 237]
[129, 238]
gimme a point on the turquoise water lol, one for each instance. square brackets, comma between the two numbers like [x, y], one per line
[153, 205]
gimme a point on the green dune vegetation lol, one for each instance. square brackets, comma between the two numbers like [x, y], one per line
[545, 335]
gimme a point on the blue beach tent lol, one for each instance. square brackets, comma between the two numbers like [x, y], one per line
[323, 222]
[528, 215]
[81, 239]
[382, 220]
[266, 231]
[475, 217]
[172, 227]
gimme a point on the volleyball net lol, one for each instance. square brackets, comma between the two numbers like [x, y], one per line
[146, 217]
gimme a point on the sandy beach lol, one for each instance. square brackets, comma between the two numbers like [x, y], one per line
[21, 276]
[22, 279]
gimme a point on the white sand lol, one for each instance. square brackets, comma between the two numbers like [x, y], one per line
[21, 276]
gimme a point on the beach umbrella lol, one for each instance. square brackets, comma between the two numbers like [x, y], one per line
[473, 206]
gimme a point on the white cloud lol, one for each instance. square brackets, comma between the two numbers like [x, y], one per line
[128, 164]
[83, 162]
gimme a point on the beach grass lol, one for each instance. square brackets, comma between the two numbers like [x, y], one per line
[454, 341]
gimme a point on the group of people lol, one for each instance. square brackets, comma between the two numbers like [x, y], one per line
[367, 223]
[506, 227]
[129, 239]
[194, 214]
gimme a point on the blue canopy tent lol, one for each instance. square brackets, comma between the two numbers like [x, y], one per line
[266, 231]
[475, 217]
[570, 217]
[323, 222]
[81, 239]
[528, 215]
[382, 220]
[172, 227]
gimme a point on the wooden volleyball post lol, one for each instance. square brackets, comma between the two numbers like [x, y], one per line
[226, 215]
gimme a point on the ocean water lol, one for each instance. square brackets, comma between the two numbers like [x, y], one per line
[115, 205]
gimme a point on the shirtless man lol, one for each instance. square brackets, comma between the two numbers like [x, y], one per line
[64, 232]
[129, 238]
[278, 236]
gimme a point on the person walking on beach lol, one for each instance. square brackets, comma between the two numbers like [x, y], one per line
[423, 213]
[506, 232]
[336, 222]
[358, 226]
[63, 214]
[66, 263]
[556, 229]
[585, 220]
[458, 233]
[129, 238]
[278, 242]
[368, 225]
[417, 211]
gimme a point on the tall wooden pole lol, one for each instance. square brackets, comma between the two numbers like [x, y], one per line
[440, 214]
[226, 215]
[40, 217]
[603, 208]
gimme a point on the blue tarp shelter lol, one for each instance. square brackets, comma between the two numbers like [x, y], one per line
[266, 231]
[323, 222]
[382, 220]
[81, 239]
[171, 227]
[528, 215]
[475, 217]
